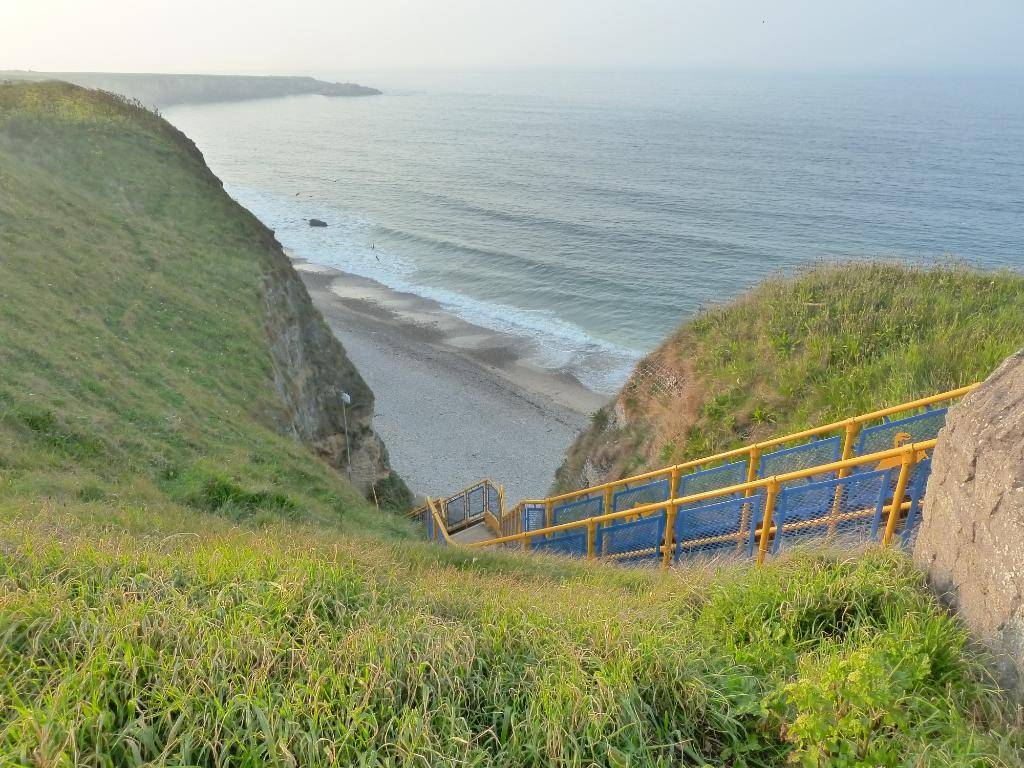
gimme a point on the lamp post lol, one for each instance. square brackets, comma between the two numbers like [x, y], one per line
[346, 401]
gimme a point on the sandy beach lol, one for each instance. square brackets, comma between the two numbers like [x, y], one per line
[455, 402]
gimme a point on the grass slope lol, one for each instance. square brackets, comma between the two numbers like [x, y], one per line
[135, 363]
[151, 616]
[796, 352]
[291, 647]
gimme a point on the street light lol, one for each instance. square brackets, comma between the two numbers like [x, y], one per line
[346, 400]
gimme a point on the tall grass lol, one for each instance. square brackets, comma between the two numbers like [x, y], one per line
[795, 352]
[180, 585]
[134, 363]
[289, 647]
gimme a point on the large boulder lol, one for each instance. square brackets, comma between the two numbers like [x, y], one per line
[971, 542]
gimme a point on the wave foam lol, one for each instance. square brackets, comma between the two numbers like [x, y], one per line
[346, 245]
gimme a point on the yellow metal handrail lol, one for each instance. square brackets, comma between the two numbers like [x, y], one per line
[439, 526]
[507, 523]
[850, 426]
[908, 454]
[422, 508]
[443, 503]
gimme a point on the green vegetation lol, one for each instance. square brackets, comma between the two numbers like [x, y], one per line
[134, 361]
[180, 585]
[296, 647]
[796, 352]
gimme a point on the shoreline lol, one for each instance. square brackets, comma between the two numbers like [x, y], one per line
[455, 402]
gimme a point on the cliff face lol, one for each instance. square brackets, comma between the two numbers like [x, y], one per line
[311, 370]
[149, 315]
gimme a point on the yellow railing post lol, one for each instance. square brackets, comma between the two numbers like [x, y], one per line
[906, 462]
[549, 513]
[753, 462]
[607, 500]
[766, 523]
[850, 433]
[526, 543]
[752, 465]
[851, 430]
[591, 540]
[670, 518]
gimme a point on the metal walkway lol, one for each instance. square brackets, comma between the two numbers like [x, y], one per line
[861, 479]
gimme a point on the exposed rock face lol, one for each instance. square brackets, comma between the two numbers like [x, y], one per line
[311, 370]
[971, 542]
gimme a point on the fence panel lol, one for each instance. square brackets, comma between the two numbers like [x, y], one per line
[917, 488]
[923, 426]
[577, 510]
[716, 529]
[571, 544]
[533, 517]
[712, 479]
[475, 501]
[812, 454]
[648, 493]
[847, 509]
[641, 538]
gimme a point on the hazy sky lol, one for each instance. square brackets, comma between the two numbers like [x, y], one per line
[250, 36]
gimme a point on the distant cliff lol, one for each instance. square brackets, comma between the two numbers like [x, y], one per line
[167, 90]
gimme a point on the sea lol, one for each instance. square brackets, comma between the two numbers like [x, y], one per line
[590, 213]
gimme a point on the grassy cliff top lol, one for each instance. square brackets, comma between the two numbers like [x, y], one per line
[796, 352]
[136, 366]
[180, 585]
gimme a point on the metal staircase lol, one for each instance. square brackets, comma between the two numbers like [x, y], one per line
[857, 480]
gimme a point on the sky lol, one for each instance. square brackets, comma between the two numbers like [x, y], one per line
[335, 36]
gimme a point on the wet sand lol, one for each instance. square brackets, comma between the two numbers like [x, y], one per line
[455, 402]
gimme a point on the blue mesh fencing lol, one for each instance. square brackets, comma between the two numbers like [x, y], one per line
[577, 510]
[475, 501]
[923, 426]
[648, 493]
[534, 517]
[812, 454]
[845, 509]
[639, 560]
[917, 488]
[712, 479]
[455, 510]
[427, 518]
[715, 529]
[637, 536]
[493, 500]
[572, 544]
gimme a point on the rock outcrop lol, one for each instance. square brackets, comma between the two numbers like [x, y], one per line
[971, 543]
[311, 370]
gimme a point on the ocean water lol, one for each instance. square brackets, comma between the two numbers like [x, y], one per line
[590, 213]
